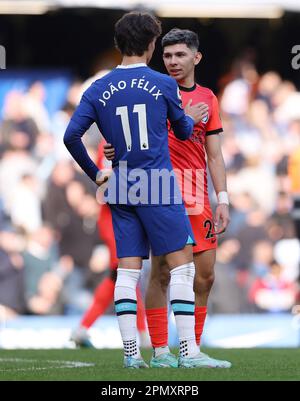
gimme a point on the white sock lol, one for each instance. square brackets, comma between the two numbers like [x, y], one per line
[182, 299]
[187, 348]
[126, 307]
[161, 350]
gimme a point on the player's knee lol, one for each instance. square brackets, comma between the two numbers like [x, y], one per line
[203, 281]
[165, 279]
[161, 279]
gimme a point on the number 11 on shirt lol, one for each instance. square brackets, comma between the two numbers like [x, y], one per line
[140, 109]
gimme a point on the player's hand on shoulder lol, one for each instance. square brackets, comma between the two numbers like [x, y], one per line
[197, 111]
[109, 151]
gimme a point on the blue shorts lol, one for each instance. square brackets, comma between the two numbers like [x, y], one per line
[163, 228]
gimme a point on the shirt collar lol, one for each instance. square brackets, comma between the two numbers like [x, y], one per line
[132, 65]
[185, 89]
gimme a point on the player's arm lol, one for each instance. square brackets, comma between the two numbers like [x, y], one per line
[83, 117]
[216, 167]
[216, 163]
[217, 171]
[183, 128]
[196, 113]
[181, 123]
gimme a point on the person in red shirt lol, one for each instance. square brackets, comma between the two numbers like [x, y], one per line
[104, 293]
[181, 55]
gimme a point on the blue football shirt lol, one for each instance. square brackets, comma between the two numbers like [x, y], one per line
[131, 106]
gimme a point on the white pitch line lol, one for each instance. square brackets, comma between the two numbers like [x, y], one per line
[63, 364]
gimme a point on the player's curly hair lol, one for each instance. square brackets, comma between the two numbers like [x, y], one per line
[135, 31]
[177, 36]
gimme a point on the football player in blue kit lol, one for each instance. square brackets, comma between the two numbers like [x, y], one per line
[131, 106]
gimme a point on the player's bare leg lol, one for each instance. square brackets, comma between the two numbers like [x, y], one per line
[204, 279]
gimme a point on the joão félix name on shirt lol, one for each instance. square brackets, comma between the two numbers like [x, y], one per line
[140, 83]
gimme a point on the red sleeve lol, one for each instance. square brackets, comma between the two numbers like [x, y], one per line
[214, 125]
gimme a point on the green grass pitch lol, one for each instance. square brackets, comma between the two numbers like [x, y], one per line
[102, 365]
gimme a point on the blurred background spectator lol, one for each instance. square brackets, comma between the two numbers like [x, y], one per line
[12, 289]
[51, 256]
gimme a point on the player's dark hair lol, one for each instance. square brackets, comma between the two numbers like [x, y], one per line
[179, 36]
[135, 31]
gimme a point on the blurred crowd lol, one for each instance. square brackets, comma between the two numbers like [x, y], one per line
[51, 255]
[258, 257]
